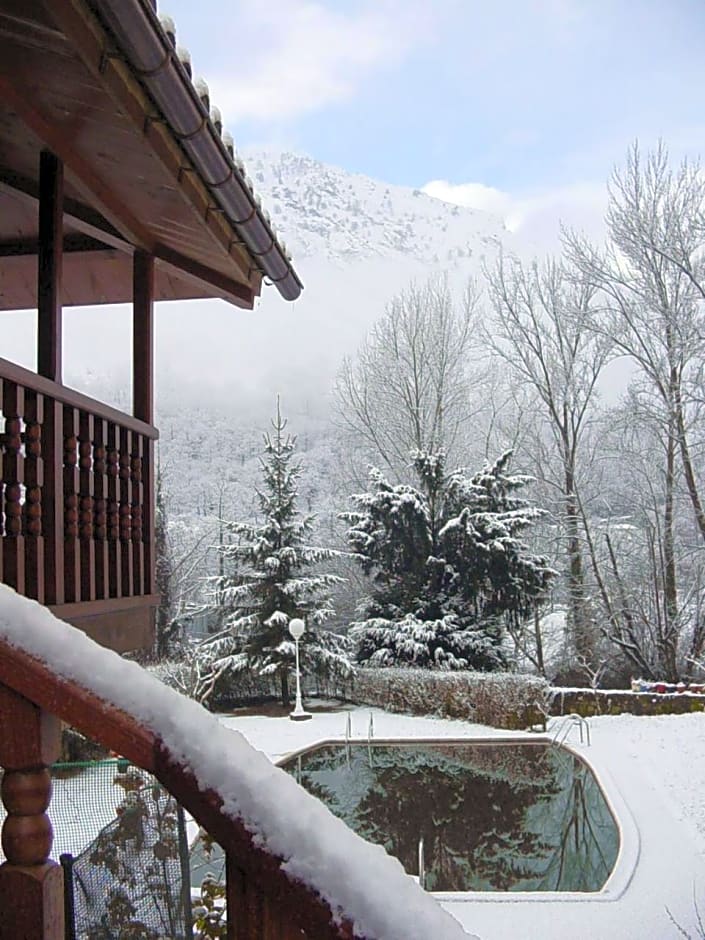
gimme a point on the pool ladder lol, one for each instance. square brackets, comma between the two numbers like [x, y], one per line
[565, 727]
[370, 735]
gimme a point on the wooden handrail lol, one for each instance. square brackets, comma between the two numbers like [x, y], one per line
[69, 396]
[271, 905]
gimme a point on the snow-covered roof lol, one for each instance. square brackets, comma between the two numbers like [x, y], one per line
[149, 44]
[360, 882]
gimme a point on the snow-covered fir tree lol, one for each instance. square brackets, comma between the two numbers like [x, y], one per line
[448, 566]
[269, 576]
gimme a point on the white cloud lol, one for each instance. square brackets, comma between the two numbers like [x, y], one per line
[471, 195]
[296, 56]
[535, 216]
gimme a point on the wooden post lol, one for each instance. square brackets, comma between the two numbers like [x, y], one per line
[143, 337]
[143, 408]
[51, 240]
[31, 885]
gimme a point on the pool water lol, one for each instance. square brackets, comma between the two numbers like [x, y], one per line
[493, 817]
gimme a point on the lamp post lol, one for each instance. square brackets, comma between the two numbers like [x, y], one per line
[296, 629]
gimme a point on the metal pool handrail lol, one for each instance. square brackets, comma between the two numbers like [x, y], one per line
[564, 728]
[422, 864]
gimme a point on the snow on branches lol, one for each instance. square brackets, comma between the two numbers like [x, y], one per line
[447, 563]
[270, 575]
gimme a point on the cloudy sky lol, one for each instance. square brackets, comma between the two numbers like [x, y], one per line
[521, 107]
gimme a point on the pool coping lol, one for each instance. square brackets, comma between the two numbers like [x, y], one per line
[629, 839]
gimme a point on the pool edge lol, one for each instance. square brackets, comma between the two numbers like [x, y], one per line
[629, 839]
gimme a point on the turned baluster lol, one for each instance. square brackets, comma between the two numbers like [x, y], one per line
[100, 507]
[32, 508]
[31, 885]
[85, 506]
[113, 511]
[148, 495]
[137, 514]
[71, 486]
[13, 478]
[125, 475]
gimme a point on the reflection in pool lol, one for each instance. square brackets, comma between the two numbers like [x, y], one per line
[493, 817]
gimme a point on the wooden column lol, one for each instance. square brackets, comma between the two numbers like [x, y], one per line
[51, 239]
[31, 885]
[143, 337]
[143, 408]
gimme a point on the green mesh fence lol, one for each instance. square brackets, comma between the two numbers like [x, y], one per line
[122, 841]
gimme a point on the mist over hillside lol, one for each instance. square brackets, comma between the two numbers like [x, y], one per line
[356, 243]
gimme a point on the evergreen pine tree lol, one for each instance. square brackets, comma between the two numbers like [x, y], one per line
[448, 565]
[271, 575]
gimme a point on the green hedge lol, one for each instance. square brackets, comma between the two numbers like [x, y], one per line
[499, 699]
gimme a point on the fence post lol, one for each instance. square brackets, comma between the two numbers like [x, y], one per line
[66, 861]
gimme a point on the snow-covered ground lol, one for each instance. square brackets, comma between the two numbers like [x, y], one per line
[653, 771]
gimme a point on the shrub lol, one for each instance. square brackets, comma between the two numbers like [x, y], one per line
[502, 700]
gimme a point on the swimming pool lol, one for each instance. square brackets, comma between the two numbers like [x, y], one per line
[492, 816]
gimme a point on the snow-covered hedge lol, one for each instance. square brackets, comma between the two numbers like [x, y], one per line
[499, 699]
[589, 702]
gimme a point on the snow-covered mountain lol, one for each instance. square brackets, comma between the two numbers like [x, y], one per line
[327, 213]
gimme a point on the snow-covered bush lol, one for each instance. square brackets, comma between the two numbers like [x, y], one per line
[187, 677]
[502, 700]
[439, 644]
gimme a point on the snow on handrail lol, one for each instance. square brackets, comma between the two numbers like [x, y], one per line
[288, 836]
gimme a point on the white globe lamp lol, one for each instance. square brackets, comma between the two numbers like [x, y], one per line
[297, 628]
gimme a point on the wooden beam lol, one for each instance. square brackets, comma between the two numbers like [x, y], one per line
[51, 237]
[81, 216]
[143, 337]
[227, 288]
[73, 244]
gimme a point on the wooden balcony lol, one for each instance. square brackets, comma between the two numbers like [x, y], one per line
[77, 522]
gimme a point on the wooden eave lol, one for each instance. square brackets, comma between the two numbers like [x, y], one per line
[128, 183]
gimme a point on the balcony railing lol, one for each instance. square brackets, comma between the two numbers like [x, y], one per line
[77, 519]
[263, 901]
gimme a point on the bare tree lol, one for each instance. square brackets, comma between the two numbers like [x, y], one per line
[541, 329]
[180, 556]
[651, 281]
[409, 386]
[644, 542]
